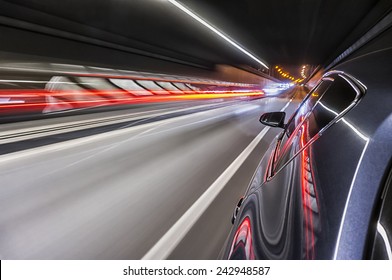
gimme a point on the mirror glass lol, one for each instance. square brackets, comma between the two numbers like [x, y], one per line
[274, 119]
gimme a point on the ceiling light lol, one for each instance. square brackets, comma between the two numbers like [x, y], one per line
[216, 31]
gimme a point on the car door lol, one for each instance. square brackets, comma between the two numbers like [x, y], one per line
[281, 216]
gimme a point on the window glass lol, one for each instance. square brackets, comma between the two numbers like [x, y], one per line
[306, 106]
[288, 136]
[338, 97]
[321, 107]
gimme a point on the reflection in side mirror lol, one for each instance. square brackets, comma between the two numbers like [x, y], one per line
[274, 119]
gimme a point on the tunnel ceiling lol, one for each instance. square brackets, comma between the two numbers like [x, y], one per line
[288, 32]
[292, 31]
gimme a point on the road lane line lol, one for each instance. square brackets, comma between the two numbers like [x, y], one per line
[287, 105]
[165, 246]
[169, 241]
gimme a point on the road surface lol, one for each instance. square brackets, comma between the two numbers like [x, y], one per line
[159, 183]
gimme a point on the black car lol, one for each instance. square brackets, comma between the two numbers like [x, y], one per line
[323, 190]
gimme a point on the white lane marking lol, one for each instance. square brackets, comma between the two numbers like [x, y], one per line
[66, 124]
[287, 105]
[169, 241]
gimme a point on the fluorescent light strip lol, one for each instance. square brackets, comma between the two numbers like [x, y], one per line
[216, 31]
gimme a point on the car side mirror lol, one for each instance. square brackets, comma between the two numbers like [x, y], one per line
[274, 119]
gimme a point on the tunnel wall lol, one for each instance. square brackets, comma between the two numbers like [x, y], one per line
[19, 45]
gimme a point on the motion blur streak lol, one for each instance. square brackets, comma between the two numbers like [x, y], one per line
[216, 31]
[164, 247]
[309, 195]
[367, 140]
[337, 248]
[114, 195]
[191, 94]
[33, 100]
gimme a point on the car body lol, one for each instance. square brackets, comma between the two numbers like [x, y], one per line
[323, 189]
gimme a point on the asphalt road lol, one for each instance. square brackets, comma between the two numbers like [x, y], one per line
[163, 188]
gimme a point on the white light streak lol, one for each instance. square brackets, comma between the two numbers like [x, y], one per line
[360, 134]
[216, 31]
[366, 139]
[169, 241]
[348, 201]
[384, 236]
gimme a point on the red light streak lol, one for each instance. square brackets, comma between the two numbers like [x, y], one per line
[243, 237]
[35, 100]
[307, 203]
[303, 185]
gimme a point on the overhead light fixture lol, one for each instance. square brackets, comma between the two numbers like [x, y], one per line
[216, 31]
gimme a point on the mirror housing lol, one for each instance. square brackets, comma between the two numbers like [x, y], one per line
[274, 119]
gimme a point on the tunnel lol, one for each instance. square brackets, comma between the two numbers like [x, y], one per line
[195, 130]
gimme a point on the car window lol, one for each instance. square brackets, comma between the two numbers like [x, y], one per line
[322, 107]
[282, 151]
